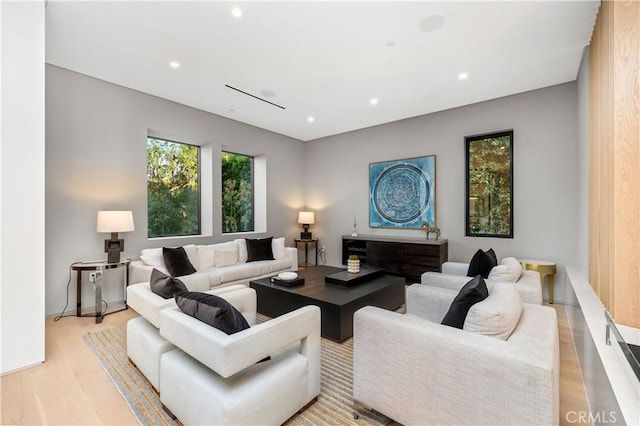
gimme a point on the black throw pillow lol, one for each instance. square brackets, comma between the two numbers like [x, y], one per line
[473, 292]
[482, 263]
[259, 249]
[164, 285]
[212, 310]
[177, 261]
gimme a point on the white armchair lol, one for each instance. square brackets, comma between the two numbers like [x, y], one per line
[417, 371]
[214, 378]
[454, 277]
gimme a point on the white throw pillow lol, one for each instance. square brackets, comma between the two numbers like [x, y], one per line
[205, 257]
[277, 246]
[242, 250]
[225, 257]
[153, 257]
[192, 254]
[508, 270]
[498, 314]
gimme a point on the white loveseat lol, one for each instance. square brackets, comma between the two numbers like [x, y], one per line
[224, 264]
[417, 371]
[454, 276]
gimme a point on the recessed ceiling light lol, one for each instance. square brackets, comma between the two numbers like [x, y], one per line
[236, 12]
[311, 119]
[463, 76]
[374, 101]
[174, 64]
[431, 23]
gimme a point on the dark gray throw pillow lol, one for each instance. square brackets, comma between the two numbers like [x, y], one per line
[259, 249]
[164, 285]
[482, 263]
[471, 293]
[212, 310]
[177, 261]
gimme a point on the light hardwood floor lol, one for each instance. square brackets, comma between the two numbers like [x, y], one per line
[71, 388]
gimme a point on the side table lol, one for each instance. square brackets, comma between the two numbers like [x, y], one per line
[545, 269]
[306, 249]
[99, 268]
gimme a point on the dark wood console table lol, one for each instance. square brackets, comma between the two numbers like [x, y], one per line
[403, 256]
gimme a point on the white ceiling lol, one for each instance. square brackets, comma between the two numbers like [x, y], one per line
[322, 59]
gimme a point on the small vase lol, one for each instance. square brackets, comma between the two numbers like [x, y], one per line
[353, 266]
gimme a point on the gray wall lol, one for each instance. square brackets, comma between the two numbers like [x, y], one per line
[96, 160]
[545, 175]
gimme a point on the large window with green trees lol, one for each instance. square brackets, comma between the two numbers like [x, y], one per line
[173, 188]
[489, 185]
[237, 192]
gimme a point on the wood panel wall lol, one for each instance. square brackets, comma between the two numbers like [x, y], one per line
[614, 216]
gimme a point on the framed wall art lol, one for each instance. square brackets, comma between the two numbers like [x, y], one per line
[402, 193]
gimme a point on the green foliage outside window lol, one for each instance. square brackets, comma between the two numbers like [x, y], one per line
[173, 190]
[237, 192]
[489, 185]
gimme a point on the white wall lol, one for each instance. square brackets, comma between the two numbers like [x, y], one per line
[545, 175]
[583, 164]
[22, 256]
[96, 160]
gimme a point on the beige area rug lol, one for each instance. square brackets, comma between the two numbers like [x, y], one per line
[333, 407]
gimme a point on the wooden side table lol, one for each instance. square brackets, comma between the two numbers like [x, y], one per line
[99, 268]
[306, 243]
[545, 269]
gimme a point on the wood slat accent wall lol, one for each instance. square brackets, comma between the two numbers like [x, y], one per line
[614, 216]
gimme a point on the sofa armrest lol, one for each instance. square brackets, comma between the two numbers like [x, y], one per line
[400, 359]
[292, 253]
[429, 302]
[230, 354]
[442, 280]
[455, 268]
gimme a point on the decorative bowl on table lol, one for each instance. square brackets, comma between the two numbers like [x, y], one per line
[287, 276]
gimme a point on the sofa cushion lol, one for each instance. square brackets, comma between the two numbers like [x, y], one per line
[240, 271]
[212, 310]
[200, 281]
[498, 314]
[153, 257]
[165, 285]
[259, 249]
[225, 256]
[508, 270]
[471, 293]
[271, 266]
[177, 261]
[481, 263]
[277, 246]
[242, 250]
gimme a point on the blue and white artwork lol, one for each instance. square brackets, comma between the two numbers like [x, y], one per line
[402, 193]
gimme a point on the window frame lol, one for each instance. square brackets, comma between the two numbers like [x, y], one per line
[224, 151]
[199, 191]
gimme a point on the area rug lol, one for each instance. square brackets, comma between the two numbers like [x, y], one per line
[333, 407]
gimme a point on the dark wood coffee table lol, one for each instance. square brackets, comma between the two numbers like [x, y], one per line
[337, 303]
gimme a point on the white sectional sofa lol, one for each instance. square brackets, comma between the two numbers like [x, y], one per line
[224, 264]
[454, 276]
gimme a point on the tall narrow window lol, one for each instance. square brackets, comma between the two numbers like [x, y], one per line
[237, 192]
[173, 188]
[489, 185]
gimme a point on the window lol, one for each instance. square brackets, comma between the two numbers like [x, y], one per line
[237, 193]
[489, 185]
[173, 188]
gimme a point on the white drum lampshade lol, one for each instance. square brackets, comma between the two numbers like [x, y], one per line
[114, 222]
[306, 219]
